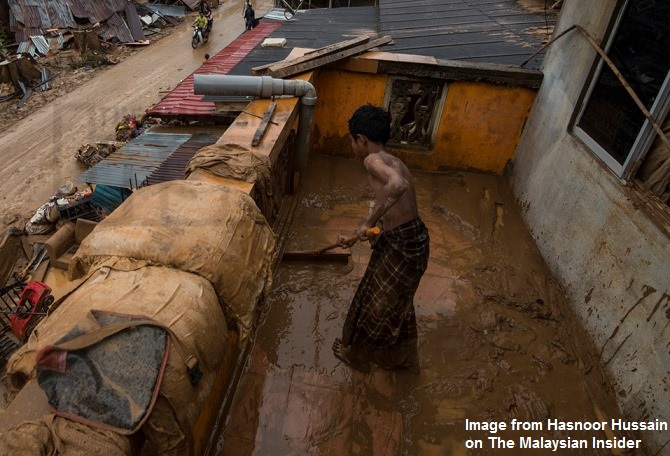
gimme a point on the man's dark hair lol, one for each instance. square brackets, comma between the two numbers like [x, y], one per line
[371, 121]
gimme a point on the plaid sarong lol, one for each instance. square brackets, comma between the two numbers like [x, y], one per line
[381, 324]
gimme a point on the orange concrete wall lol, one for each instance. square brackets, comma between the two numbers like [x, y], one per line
[479, 128]
[339, 94]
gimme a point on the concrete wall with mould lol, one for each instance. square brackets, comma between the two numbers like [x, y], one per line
[608, 252]
[479, 125]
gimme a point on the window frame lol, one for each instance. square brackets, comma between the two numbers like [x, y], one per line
[646, 134]
[436, 116]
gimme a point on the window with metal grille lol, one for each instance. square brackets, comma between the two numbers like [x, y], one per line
[414, 106]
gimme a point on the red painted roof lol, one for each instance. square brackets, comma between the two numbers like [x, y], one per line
[181, 101]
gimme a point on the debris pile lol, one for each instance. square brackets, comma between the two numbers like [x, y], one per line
[51, 24]
[91, 154]
[128, 128]
[65, 204]
[20, 76]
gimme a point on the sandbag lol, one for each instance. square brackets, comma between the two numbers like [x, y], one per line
[184, 302]
[52, 435]
[237, 162]
[207, 229]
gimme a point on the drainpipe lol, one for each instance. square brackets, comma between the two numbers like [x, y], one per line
[267, 87]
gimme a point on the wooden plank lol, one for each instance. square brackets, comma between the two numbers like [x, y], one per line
[330, 58]
[260, 131]
[330, 49]
[314, 256]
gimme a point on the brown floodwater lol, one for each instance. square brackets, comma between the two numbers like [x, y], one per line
[497, 341]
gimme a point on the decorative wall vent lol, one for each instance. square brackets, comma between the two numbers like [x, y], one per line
[415, 106]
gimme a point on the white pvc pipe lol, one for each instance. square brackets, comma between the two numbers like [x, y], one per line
[266, 87]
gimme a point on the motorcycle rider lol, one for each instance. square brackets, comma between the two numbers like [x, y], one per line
[200, 23]
[207, 11]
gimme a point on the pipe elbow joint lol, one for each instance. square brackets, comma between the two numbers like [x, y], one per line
[303, 89]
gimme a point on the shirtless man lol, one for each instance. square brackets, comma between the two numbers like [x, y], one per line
[380, 327]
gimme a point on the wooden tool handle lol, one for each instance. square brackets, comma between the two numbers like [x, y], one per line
[371, 232]
[375, 230]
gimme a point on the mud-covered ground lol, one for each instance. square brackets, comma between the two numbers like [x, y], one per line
[497, 340]
[39, 143]
[70, 69]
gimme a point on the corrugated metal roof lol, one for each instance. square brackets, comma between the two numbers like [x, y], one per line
[166, 10]
[23, 35]
[94, 10]
[181, 101]
[77, 8]
[134, 22]
[60, 15]
[129, 166]
[27, 15]
[483, 31]
[314, 29]
[115, 26]
[33, 17]
[479, 31]
[175, 166]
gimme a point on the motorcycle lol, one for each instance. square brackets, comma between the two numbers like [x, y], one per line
[199, 34]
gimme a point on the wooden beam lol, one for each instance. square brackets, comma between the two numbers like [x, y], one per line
[260, 131]
[330, 49]
[293, 69]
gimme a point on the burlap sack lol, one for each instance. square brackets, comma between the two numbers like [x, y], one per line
[237, 162]
[210, 230]
[51, 435]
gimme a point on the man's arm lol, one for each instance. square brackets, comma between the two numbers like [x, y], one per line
[388, 186]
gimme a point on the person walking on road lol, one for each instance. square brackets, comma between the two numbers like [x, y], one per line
[249, 16]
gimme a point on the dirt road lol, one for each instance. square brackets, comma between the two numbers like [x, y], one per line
[37, 153]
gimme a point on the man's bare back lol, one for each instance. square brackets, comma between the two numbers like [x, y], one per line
[392, 185]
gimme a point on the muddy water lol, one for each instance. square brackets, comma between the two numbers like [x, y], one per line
[496, 339]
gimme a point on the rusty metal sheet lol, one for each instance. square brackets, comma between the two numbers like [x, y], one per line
[95, 11]
[33, 17]
[175, 166]
[166, 10]
[129, 166]
[78, 10]
[60, 15]
[134, 22]
[117, 27]
[28, 16]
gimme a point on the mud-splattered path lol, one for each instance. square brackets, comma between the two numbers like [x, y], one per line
[496, 341]
[38, 152]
